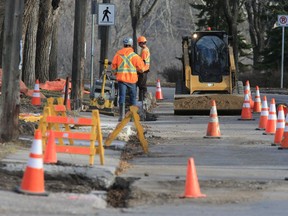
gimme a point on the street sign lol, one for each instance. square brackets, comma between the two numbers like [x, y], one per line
[106, 14]
[283, 20]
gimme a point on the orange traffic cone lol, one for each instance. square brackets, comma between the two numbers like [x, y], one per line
[279, 127]
[272, 119]
[248, 91]
[68, 103]
[264, 115]
[257, 103]
[159, 95]
[36, 97]
[284, 141]
[213, 130]
[192, 189]
[246, 113]
[50, 155]
[33, 179]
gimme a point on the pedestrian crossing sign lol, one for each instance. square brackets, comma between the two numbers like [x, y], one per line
[106, 14]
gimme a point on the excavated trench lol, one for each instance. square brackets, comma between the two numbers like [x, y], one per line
[117, 195]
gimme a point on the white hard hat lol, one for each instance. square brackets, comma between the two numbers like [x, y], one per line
[128, 41]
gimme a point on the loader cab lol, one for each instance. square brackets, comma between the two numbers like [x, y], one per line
[209, 56]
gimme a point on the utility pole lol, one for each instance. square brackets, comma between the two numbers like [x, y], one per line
[10, 99]
[78, 53]
[104, 37]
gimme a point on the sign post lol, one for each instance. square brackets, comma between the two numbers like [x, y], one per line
[93, 12]
[283, 22]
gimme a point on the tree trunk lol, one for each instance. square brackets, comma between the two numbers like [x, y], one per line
[78, 53]
[255, 12]
[43, 46]
[2, 10]
[54, 47]
[10, 99]
[231, 11]
[135, 18]
[29, 52]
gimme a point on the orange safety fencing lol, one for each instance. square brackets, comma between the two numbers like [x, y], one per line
[56, 85]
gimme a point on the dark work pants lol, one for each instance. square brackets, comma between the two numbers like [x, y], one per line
[142, 80]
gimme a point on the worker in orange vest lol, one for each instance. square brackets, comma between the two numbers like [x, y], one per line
[142, 77]
[126, 64]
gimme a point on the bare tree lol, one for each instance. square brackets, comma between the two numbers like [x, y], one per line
[231, 10]
[78, 53]
[30, 23]
[10, 99]
[2, 10]
[255, 11]
[44, 33]
[53, 69]
[139, 10]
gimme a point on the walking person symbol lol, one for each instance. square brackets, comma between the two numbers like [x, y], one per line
[105, 14]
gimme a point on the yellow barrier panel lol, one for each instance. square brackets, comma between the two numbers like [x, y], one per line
[130, 114]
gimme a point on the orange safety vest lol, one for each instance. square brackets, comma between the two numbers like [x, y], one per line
[125, 65]
[145, 55]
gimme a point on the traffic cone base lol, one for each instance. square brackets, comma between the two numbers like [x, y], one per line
[32, 187]
[192, 189]
[284, 142]
[267, 133]
[259, 128]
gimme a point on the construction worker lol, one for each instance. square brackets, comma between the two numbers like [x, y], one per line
[126, 64]
[142, 77]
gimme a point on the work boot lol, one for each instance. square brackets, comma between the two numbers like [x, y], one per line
[121, 112]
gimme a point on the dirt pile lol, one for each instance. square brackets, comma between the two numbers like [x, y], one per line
[203, 102]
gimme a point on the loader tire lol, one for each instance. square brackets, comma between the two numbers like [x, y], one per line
[239, 88]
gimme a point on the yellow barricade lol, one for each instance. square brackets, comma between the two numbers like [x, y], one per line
[50, 121]
[132, 114]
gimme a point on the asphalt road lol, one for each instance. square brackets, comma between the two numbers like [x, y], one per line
[241, 173]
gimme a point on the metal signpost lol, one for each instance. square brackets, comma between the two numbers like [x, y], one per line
[93, 12]
[283, 22]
